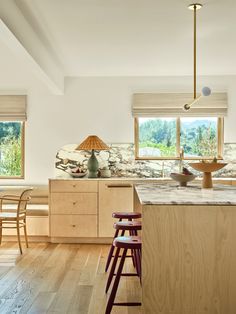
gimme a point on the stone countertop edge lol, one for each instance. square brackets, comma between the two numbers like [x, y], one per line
[198, 180]
[157, 194]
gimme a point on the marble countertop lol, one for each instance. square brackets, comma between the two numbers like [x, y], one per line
[171, 194]
[164, 179]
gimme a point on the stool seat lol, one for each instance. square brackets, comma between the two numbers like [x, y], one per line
[126, 215]
[133, 242]
[128, 225]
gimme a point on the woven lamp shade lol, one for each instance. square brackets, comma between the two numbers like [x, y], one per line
[92, 142]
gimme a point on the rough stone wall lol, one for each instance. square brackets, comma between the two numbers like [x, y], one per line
[121, 161]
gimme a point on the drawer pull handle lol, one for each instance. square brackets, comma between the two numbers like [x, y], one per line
[73, 226]
[74, 203]
[114, 186]
[74, 185]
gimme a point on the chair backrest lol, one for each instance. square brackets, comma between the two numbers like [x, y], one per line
[23, 200]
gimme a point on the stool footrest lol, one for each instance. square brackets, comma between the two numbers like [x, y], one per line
[126, 256]
[128, 274]
[128, 304]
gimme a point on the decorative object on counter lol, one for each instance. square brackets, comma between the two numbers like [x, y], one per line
[206, 91]
[78, 172]
[105, 172]
[184, 177]
[207, 168]
[93, 143]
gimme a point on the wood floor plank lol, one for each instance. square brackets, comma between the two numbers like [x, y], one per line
[61, 278]
[42, 303]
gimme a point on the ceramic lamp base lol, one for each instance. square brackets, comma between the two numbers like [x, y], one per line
[93, 166]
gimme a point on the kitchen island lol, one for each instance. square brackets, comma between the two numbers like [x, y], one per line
[189, 250]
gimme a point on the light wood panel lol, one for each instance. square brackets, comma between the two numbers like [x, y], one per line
[113, 196]
[74, 203]
[36, 226]
[189, 258]
[73, 186]
[62, 278]
[73, 226]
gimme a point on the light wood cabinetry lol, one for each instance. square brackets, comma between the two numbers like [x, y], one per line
[83, 208]
[74, 226]
[113, 196]
[74, 203]
[73, 208]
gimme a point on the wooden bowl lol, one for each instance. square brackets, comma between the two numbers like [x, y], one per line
[182, 178]
[207, 167]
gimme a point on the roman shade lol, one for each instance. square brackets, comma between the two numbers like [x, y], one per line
[171, 105]
[12, 107]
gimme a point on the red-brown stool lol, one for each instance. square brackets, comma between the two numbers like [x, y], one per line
[133, 227]
[126, 243]
[121, 216]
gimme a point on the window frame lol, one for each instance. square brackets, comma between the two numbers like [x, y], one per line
[220, 140]
[22, 176]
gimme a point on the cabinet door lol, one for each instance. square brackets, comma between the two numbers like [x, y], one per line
[113, 196]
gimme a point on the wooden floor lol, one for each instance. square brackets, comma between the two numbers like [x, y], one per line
[60, 278]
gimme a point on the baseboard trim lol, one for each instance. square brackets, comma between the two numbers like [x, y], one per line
[81, 240]
[12, 238]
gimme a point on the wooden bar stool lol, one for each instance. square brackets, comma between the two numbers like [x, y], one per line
[132, 227]
[126, 243]
[121, 216]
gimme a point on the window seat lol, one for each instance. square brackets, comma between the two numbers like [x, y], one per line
[32, 209]
[37, 212]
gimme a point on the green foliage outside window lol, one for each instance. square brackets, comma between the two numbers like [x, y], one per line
[158, 137]
[10, 149]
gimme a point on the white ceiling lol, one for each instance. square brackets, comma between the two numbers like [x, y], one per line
[135, 37]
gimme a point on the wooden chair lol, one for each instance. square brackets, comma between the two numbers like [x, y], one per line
[16, 219]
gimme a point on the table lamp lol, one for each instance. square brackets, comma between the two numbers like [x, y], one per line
[93, 143]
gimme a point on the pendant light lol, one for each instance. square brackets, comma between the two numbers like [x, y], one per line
[206, 91]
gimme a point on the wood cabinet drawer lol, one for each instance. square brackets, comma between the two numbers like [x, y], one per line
[73, 226]
[73, 203]
[73, 186]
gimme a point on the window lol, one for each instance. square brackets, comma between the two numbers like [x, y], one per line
[162, 138]
[12, 149]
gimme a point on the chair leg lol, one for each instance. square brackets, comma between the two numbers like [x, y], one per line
[26, 236]
[116, 283]
[18, 236]
[113, 267]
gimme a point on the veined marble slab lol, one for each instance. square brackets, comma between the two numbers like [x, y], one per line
[171, 194]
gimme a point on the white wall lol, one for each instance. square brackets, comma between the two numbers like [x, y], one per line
[100, 106]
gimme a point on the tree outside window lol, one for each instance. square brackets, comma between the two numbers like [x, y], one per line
[162, 138]
[11, 149]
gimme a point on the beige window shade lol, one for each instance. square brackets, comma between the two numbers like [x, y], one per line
[171, 105]
[12, 108]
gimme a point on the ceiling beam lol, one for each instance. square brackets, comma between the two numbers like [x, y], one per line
[20, 37]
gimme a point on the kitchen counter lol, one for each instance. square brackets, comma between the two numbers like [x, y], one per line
[188, 249]
[193, 194]
[162, 179]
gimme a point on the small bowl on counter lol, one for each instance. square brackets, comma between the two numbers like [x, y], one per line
[182, 178]
[77, 173]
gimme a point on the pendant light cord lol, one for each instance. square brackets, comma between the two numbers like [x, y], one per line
[195, 52]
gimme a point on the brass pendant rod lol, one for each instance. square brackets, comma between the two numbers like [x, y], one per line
[195, 52]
